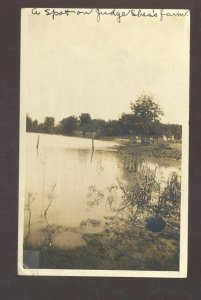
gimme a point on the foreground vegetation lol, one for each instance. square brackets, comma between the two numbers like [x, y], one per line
[142, 233]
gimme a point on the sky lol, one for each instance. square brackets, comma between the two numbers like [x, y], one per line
[73, 65]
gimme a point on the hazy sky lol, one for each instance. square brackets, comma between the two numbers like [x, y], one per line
[74, 64]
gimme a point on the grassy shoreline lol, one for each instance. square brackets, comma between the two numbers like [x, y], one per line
[162, 150]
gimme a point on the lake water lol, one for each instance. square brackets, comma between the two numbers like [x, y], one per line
[62, 172]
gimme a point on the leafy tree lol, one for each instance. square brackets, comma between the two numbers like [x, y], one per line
[35, 126]
[48, 125]
[144, 121]
[145, 113]
[177, 131]
[68, 125]
[28, 124]
[156, 129]
[98, 126]
[41, 128]
[58, 128]
[170, 130]
[126, 123]
[85, 123]
[31, 126]
[112, 128]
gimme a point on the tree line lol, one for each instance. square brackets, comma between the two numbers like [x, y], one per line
[143, 122]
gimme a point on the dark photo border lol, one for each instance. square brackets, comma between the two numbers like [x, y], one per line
[13, 286]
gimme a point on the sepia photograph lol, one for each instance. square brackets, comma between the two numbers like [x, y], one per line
[104, 112]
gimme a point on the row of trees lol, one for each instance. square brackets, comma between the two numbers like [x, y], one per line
[143, 121]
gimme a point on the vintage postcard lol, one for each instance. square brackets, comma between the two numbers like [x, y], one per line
[104, 109]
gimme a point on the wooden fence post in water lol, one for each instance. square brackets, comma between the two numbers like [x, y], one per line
[92, 145]
[92, 139]
[37, 145]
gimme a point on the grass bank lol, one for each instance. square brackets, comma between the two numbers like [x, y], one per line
[160, 150]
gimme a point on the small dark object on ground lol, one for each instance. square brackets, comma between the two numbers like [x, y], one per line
[155, 224]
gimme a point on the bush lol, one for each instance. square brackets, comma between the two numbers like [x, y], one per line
[171, 197]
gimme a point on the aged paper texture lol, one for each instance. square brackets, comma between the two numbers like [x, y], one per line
[104, 109]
